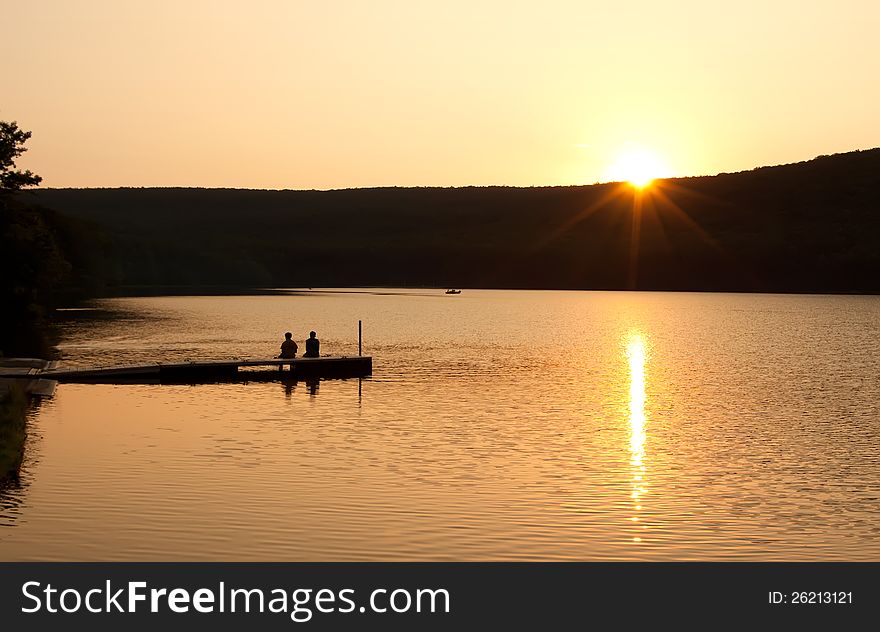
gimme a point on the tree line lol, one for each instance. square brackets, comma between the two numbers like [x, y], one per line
[806, 227]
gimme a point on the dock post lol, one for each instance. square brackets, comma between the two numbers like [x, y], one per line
[360, 339]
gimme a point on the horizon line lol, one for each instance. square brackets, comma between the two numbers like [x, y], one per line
[460, 186]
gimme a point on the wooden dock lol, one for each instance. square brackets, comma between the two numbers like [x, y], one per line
[26, 372]
[198, 370]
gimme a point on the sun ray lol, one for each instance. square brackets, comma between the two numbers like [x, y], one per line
[634, 242]
[606, 198]
[648, 196]
[687, 219]
[673, 186]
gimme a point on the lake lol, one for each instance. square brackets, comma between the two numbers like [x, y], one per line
[497, 425]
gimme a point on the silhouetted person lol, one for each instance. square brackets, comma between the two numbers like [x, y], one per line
[313, 346]
[288, 347]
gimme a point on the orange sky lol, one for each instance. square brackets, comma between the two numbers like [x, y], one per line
[285, 94]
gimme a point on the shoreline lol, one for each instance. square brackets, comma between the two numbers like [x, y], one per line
[244, 290]
[13, 429]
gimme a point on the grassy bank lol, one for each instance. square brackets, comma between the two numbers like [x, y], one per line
[13, 430]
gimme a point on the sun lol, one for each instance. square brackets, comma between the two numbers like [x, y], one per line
[638, 166]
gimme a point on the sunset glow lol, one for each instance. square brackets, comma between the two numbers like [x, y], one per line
[294, 95]
[637, 166]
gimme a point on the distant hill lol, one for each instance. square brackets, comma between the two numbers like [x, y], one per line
[807, 227]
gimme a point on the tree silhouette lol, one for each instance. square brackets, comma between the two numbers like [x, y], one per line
[12, 140]
[32, 262]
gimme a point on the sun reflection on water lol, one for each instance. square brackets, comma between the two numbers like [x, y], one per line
[636, 356]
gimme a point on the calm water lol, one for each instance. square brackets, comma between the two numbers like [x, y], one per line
[497, 425]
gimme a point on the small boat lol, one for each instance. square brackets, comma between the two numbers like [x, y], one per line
[453, 291]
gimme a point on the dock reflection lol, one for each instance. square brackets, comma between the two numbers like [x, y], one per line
[312, 385]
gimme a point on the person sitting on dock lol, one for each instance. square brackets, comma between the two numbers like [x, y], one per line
[288, 347]
[313, 346]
